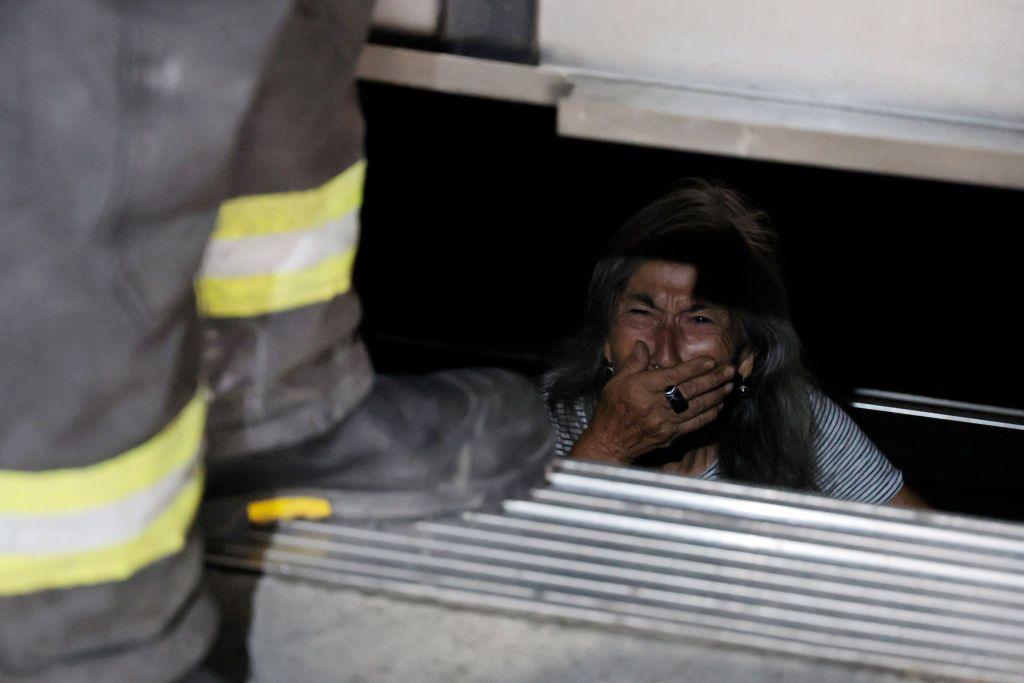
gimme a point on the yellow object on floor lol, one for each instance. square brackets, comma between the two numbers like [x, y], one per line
[299, 507]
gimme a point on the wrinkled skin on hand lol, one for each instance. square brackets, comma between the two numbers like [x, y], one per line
[632, 416]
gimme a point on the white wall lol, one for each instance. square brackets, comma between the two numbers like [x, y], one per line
[962, 58]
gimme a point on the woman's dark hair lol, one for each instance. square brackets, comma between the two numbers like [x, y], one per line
[767, 438]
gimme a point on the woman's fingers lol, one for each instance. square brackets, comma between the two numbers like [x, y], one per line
[701, 376]
[659, 378]
[709, 381]
[690, 423]
[701, 420]
[702, 410]
[670, 431]
[633, 415]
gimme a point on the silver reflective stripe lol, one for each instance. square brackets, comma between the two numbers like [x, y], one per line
[94, 528]
[281, 252]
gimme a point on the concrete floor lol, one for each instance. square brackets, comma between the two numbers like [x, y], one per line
[279, 630]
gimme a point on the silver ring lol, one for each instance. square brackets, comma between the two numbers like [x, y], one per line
[675, 399]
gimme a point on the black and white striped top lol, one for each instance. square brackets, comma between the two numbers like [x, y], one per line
[849, 465]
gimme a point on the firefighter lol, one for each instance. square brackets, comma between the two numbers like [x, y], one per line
[160, 159]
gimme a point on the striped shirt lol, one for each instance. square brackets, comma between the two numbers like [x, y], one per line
[848, 464]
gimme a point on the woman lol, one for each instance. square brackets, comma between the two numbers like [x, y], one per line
[688, 361]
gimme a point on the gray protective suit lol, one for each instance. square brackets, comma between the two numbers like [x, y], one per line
[123, 127]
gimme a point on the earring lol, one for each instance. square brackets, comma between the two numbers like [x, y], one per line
[608, 370]
[743, 390]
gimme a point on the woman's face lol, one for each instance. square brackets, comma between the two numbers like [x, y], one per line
[659, 308]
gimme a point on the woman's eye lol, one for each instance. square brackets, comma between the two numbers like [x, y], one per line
[639, 311]
[702, 319]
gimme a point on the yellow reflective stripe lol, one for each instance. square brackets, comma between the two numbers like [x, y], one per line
[275, 252]
[272, 213]
[78, 488]
[165, 536]
[229, 297]
[294, 507]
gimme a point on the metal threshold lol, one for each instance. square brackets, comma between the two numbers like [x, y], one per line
[922, 593]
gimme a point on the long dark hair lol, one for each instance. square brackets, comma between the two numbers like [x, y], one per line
[767, 438]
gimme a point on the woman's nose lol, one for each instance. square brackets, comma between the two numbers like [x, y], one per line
[666, 351]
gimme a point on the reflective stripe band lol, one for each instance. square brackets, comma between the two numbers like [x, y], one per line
[165, 536]
[271, 253]
[280, 252]
[110, 481]
[265, 214]
[262, 294]
[102, 522]
[93, 528]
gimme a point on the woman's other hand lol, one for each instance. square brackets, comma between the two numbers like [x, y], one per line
[632, 415]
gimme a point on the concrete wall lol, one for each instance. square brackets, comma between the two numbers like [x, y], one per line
[961, 58]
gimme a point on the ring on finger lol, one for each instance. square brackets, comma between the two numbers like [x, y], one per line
[675, 399]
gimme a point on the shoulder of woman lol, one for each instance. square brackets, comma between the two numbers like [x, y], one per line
[849, 465]
[829, 419]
